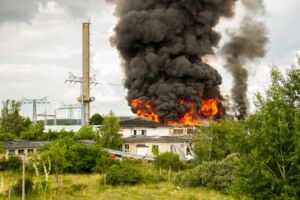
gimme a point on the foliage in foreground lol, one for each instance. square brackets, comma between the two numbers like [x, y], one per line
[68, 156]
[269, 167]
[109, 132]
[168, 159]
[13, 163]
[216, 175]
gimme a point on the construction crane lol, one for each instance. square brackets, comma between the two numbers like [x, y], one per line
[70, 108]
[34, 103]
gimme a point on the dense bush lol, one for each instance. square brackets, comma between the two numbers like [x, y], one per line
[217, 175]
[104, 163]
[13, 163]
[66, 155]
[17, 188]
[86, 133]
[168, 159]
[123, 174]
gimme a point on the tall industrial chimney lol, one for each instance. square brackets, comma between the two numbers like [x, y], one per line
[86, 99]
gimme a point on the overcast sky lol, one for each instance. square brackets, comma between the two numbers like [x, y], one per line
[40, 43]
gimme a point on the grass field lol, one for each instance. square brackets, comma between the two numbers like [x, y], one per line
[88, 187]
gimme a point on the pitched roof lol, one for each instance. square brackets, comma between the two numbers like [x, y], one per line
[140, 122]
[23, 144]
[161, 139]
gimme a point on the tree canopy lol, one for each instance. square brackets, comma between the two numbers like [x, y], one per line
[11, 120]
[96, 119]
[109, 132]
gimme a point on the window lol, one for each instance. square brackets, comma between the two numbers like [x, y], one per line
[126, 147]
[21, 151]
[178, 132]
[29, 150]
[11, 152]
[134, 132]
[144, 132]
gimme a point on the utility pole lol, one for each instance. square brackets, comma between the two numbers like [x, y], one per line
[34, 103]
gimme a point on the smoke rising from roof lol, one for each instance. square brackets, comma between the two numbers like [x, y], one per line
[245, 45]
[161, 43]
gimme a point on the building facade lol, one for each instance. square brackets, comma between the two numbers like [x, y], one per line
[147, 138]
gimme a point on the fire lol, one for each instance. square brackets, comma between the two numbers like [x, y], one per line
[144, 110]
[209, 108]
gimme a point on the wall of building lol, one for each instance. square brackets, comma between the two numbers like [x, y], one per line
[27, 152]
[160, 131]
[163, 147]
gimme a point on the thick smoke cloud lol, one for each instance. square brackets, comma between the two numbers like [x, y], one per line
[161, 43]
[245, 45]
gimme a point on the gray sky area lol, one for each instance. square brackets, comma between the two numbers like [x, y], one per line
[40, 43]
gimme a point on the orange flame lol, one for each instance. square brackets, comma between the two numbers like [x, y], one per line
[209, 108]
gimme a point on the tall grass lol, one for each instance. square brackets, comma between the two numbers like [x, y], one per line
[89, 187]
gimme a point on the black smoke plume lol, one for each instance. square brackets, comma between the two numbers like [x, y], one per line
[161, 43]
[246, 44]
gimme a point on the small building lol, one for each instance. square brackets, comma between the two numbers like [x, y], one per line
[21, 148]
[144, 137]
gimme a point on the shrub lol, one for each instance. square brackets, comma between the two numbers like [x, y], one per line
[13, 163]
[104, 163]
[152, 176]
[214, 174]
[168, 159]
[17, 188]
[123, 174]
[114, 175]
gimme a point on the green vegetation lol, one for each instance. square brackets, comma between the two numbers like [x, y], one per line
[257, 158]
[89, 187]
[96, 119]
[168, 159]
[13, 163]
[11, 121]
[217, 175]
[67, 156]
[109, 132]
[266, 147]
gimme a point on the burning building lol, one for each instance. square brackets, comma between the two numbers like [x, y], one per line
[163, 45]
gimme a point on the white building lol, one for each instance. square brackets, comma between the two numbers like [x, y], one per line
[143, 137]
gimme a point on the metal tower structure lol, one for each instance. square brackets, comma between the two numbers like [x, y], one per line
[85, 80]
[34, 103]
[70, 108]
[46, 118]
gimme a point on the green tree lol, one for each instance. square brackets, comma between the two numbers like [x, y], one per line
[96, 119]
[269, 167]
[109, 132]
[218, 140]
[11, 121]
[86, 133]
[55, 155]
[34, 132]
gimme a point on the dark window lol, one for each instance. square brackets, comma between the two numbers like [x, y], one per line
[178, 132]
[134, 132]
[21, 151]
[144, 132]
[126, 147]
[11, 152]
[29, 150]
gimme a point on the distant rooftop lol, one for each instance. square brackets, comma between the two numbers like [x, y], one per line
[140, 122]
